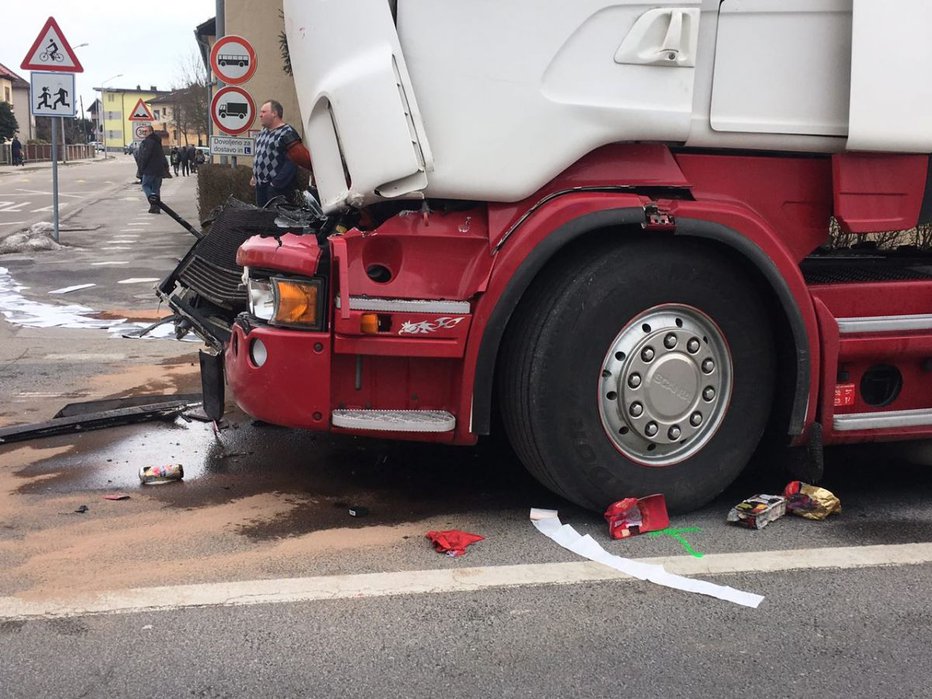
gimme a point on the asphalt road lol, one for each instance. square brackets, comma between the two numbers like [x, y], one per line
[26, 194]
[251, 578]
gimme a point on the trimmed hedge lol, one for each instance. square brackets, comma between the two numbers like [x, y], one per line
[217, 183]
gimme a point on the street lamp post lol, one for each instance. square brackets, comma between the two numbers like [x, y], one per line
[101, 121]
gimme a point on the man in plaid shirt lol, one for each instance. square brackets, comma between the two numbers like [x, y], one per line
[279, 152]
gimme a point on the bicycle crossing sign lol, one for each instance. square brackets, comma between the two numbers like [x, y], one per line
[52, 94]
[141, 112]
[52, 52]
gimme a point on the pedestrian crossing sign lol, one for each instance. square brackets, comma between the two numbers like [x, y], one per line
[52, 94]
[141, 112]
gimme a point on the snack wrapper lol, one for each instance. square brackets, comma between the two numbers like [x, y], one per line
[757, 512]
[633, 516]
[810, 501]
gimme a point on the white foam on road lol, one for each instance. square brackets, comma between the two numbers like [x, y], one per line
[415, 582]
[19, 310]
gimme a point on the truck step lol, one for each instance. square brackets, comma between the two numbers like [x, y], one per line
[395, 420]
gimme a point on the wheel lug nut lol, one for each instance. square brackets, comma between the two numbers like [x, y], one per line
[695, 419]
[636, 410]
[647, 354]
[651, 429]
[708, 365]
[692, 346]
[708, 393]
[634, 380]
[674, 432]
[669, 341]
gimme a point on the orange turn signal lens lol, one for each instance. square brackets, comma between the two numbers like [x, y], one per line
[296, 303]
[369, 323]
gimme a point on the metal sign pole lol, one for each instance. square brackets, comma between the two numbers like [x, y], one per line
[54, 178]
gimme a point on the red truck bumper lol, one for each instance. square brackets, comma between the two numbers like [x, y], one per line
[280, 376]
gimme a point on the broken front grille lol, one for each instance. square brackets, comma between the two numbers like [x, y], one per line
[211, 270]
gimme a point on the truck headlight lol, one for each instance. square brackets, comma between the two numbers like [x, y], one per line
[288, 302]
[261, 299]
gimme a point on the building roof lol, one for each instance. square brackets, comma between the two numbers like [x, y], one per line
[203, 34]
[13, 77]
[138, 90]
[167, 98]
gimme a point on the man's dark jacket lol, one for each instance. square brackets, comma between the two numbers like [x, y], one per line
[151, 156]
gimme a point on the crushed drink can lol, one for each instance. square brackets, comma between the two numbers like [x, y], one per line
[156, 475]
[757, 512]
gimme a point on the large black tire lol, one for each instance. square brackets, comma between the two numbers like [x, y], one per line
[566, 394]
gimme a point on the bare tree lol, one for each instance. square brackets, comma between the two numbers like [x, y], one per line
[191, 113]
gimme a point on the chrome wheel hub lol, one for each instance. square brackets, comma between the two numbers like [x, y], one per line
[665, 385]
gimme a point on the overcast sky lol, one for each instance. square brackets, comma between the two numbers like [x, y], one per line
[147, 42]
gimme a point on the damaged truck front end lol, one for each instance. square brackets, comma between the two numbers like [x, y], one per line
[256, 275]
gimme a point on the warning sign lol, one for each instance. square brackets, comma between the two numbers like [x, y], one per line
[52, 52]
[141, 112]
[52, 94]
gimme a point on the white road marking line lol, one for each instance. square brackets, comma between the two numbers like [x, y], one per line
[9, 207]
[331, 587]
[86, 357]
[138, 280]
[131, 223]
[12, 223]
[38, 394]
[61, 205]
[69, 289]
[116, 247]
[111, 262]
[130, 198]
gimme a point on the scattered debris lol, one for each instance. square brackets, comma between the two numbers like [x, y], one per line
[158, 408]
[757, 512]
[157, 475]
[105, 404]
[357, 511]
[678, 535]
[633, 516]
[116, 496]
[810, 501]
[453, 542]
[547, 522]
[82, 509]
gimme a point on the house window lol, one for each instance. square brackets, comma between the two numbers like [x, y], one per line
[155, 113]
[6, 92]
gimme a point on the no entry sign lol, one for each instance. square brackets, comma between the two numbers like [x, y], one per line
[232, 110]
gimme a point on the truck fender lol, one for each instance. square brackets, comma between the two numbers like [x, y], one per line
[496, 318]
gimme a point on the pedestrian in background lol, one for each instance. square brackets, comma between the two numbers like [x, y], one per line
[17, 150]
[174, 159]
[183, 160]
[279, 151]
[192, 158]
[152, 168]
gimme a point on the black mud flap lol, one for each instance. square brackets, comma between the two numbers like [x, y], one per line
[212, 384]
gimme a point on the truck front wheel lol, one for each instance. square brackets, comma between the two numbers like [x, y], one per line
[638, 368]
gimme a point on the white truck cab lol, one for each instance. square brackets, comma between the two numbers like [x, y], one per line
[489, 99]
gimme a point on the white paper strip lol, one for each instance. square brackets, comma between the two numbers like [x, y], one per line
[548, 523]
